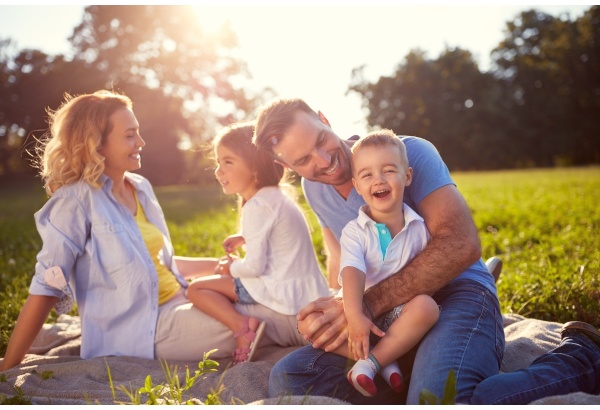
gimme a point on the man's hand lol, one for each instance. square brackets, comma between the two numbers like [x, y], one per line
[328, 330]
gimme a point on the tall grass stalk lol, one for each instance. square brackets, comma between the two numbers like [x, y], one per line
[171, 391]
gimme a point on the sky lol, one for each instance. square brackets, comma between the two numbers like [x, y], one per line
[309, 50]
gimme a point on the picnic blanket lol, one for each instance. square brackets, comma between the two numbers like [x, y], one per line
[53, 373]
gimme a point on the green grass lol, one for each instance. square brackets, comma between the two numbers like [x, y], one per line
[544, 224]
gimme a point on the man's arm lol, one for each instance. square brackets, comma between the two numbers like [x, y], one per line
[454, 246]
[332, 250]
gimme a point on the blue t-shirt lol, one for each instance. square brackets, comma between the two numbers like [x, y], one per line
[429, 173]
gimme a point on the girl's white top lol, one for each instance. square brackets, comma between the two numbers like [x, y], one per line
[280, 268]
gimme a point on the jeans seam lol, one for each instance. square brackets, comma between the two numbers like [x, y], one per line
[478, 326]
[523, 393]
[312, 364]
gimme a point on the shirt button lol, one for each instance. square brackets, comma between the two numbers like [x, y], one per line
[383, 231]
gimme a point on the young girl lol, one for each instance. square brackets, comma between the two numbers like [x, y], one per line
[280, 269]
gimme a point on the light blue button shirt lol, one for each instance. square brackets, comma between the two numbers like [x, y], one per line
[96, 242]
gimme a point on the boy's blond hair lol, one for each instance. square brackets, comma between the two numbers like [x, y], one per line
[381, 138]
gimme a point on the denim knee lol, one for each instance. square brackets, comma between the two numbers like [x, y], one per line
[318, 373]
[308, 371]
[468, 339]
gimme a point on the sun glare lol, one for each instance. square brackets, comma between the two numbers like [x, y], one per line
[211, 18]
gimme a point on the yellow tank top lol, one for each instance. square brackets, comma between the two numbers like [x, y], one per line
[153, 238]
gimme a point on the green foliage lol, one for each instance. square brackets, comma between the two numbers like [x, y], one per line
[183, 81]
[537, 107]
[544, 224]
[427, 397]
[18, 398]
[46, 374]
[172, 391]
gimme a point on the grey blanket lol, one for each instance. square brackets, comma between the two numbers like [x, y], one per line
[52, 373]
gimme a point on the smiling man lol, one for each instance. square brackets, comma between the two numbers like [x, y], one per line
[468, 337]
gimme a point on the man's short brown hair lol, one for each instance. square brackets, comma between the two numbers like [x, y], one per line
[275, 118]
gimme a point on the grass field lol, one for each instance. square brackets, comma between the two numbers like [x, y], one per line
[543, 223]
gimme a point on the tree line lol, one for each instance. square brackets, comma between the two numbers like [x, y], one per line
[538, 105]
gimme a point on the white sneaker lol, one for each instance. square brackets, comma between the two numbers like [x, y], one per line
[494, 265]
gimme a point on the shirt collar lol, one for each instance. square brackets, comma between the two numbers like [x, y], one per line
[132, 178]
[409, 215]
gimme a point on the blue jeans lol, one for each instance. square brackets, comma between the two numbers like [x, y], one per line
[569, 368]
[469, 339]
[242, 294]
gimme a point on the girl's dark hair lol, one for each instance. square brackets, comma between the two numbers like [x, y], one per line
[238, 138]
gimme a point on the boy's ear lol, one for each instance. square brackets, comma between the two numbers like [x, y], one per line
[324, 119]
[356, 186]
[409, 173]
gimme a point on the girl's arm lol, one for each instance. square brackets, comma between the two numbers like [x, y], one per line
[257, 223]
[232, 242]
[33, 315]
[332, 249]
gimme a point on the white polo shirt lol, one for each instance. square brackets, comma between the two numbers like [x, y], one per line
[361, 247]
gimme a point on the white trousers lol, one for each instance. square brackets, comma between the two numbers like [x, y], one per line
[183, 332]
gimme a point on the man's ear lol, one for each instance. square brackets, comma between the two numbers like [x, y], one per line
[324, 119]
[283, 164]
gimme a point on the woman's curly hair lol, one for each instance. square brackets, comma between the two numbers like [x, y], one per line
[78, 128]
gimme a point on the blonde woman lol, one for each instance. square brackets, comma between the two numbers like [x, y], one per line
[106, 246]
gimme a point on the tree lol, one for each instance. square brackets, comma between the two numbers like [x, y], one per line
[447, 101]
[164, 47]
[539, 106]
[34, 82]
[184, 77]
[185, 82]
[586, 96]
[551, 67]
